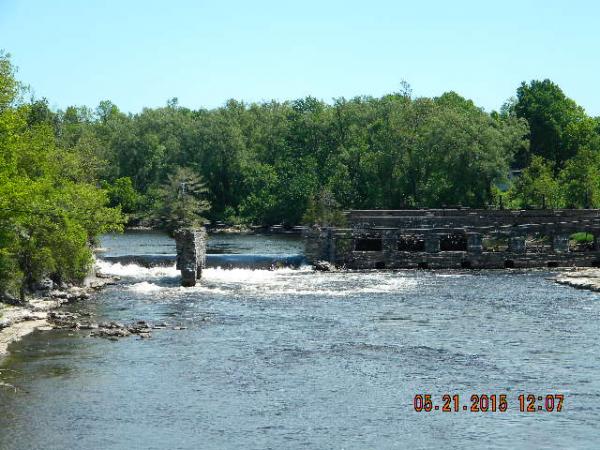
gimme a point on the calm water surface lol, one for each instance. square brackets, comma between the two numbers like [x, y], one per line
[294, 359]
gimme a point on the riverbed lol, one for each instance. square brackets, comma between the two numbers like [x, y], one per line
[290, 358]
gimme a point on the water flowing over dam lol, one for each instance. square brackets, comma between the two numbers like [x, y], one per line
[226, 261]
[160, 252]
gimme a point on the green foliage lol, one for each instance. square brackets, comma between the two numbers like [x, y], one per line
[50, 205]
[582, 238]
[122, 193]
[179, 202]
[265, 163]
[324, 210]
[9, 86]
[504, 198]
[558, 126]
[268, 163]
[537, 187]
[260, 199]
[580, 180]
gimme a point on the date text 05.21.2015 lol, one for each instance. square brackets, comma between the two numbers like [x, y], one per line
[489, 403]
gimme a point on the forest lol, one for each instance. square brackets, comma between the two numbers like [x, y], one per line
[68, 175]
[272, 162]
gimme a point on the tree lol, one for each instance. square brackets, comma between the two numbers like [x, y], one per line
[537, 187]
[179, 202]
[122, 193]
[580, 180]
[558, 126]
[49, 210]
[9, 86]
[324, 210]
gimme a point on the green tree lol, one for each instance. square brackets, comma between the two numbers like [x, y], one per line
[50, 210]
[122, 193]
[9, 86]
[180, 202]
[324, 210]
[558, 126]
[537, 187]
[580, 180]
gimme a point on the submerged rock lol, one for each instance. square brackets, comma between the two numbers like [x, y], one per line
[112, 330]
[111, 333]
[71, 295]
[62, 320]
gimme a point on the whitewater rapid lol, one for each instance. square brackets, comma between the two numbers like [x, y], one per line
[282, 281]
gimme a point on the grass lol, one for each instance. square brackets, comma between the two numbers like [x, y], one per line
[582, 237]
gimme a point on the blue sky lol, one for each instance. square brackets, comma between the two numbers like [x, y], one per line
[141, 53]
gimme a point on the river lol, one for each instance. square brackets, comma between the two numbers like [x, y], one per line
[289, 358]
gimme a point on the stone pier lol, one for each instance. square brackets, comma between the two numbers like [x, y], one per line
[191, 254]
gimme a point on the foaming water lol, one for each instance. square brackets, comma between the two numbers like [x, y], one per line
[135, 270]
[307, 282]
[283, 281]
[144, 287]
[252, 276]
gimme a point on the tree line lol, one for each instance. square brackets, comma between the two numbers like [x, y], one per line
[275, 162]
[73, 172]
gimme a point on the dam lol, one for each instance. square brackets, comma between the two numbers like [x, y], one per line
[410, 239]
[192, 251]
[458, 239]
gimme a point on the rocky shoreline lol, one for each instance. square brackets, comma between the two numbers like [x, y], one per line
[581, 279]
[42, 312]
[38, 311]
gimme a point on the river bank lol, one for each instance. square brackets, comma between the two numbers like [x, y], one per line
[17, 321]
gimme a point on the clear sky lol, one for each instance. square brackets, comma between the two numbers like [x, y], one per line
[142, 52]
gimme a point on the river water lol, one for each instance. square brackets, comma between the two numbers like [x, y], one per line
[292, 359]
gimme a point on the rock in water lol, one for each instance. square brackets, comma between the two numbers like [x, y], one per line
[323, 266]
